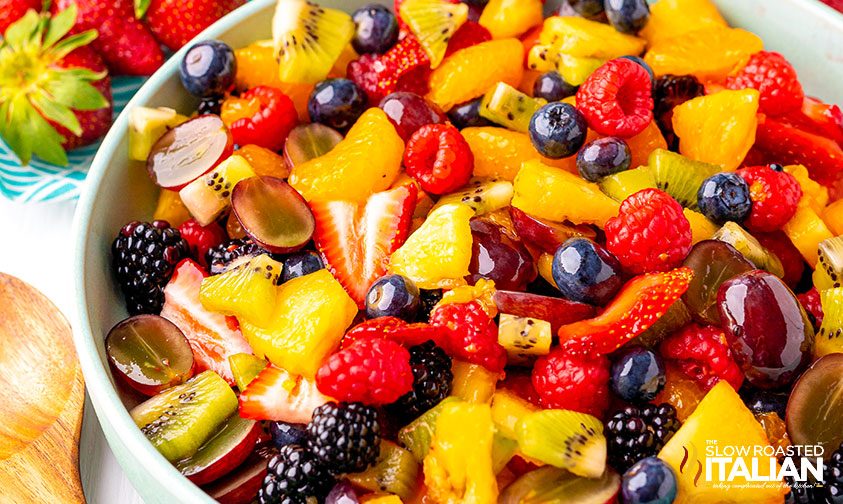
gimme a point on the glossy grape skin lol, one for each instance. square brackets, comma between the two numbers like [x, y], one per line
[496, 256]
[713, 262]
[336, 103]
[768, 330]
[376, 29]
[408, 112]
[552, 87]
[603, 157]
[815, 407]
[284, 433]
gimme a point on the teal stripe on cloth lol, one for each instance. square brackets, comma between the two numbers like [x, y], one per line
[42, 181]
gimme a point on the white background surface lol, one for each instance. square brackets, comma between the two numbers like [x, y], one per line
[36, 245]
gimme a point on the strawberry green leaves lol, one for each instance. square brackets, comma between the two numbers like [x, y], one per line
[35, 90]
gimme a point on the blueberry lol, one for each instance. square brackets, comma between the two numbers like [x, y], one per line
[558, 130]
[300, 264]
[643, 64]
[587, 8]
[210, 105]
[467, 115]
[393, 296]
[336, 103]
[603, 157]
[284, 433]
[627, 16]
[724, 197]
[208, 69]
[637, 375]
[765, 401]
[584, 271]
[649, 481]
[376, 29]
[552, 87]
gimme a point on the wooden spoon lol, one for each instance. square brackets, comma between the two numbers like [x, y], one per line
[42, 395]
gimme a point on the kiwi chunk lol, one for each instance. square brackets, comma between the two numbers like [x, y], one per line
[247, 291]
[524, 338]
[747, 245]
[245, 367]
[679, 176]
[395, 472]
[433, 22]
[484, 196]
[564, 439]
[507, 410]
[180, 419]
[418, 435]
[830, 336]
[505, 105]
[308, 39]
[503, 449]
[829, 272]
[622, 185]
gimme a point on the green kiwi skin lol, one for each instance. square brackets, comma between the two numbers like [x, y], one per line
[418, 435]
[747, 245]
[484, 196]
[180, 419]
[564, 439]
[679, 176]
[396, 471]
[510, 108]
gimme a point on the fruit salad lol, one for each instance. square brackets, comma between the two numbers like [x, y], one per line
[445, 252]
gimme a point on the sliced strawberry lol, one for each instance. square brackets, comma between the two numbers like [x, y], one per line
[213, 337]
[788, 145]
[394, 329]
[277, 395]
[641, 302]
[818, 118]
[356, 241]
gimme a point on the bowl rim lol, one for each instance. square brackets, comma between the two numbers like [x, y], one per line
[108, 405]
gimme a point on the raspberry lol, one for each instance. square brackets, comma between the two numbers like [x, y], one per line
[372, 371]
[522, 385]
[469, 34]
[439, 158]
[775, 195]
[779, 244]
[573, 382]
[405, 67]
[703, 355]
[617, 98]
[650, 233]
[394, 329]
[200, 239]
[774, 78]
[270, 125]
[811, 302]
[668, 92]
[470, 334]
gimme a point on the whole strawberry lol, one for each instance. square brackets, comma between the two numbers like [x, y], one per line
[564, 380]
[126, 45]
[775, 195]
[51, 98]
[176, 22]
[776, 80]
[12, 10]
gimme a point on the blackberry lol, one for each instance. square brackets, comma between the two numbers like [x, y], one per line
[432, 379]
[218, 258]
[668, 92]
[293, 476]
[634, 433]
[143, 258]
[833, 486]
[427, 300]
[210, 105]
[800, 494]
[345, 437]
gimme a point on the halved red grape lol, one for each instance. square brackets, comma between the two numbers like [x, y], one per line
[496, 256]
[546, 234]
[242, 485]
[409, 112]
[309, 141]
[342, 493]
[713, 262]
[227, 449]
[273, 214]
[150, 353]
[189, 150]
[557, 311]
[815, 408]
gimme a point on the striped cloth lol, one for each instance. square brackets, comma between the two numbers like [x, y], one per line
[42, 181]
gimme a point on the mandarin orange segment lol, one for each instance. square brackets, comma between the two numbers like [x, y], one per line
[498, 152]
[717, 128]
[470, 72]
[708, 53]
[833, 217]
[256, 66]
[669, 18]
[642, 144]
[511, 18]
[264, 162]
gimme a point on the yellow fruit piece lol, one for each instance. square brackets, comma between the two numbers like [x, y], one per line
[264, 162]
[574, 69]
[581, 37]
[833, 217]
[498, 152]
[433, 22]
[775, 429]
[146, 126]
[814, 194]
[473, 383]
[829, 338]
[679, 391]
[511, 18]
[806, 230]
[483, 292]
[701, 227]
[380, 499]
[721, 420]
[642, 144]
[550, 193]
[310, 317]
[507, 410]
[669, 18]
[717, 128]
[171, 208]
[438, 253]
[470, 72]
[458, 468]
[365, 162]
[545, 267]
[709, 53]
